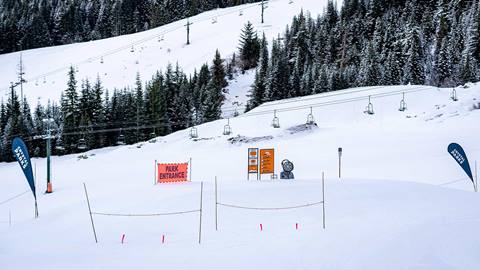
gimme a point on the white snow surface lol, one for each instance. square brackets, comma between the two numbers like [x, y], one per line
[402, 201]
[46, 68]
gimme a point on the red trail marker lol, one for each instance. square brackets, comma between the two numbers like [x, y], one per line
[123, 238]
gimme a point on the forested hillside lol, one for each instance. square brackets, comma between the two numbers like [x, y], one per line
[28, 24]
[372, 43]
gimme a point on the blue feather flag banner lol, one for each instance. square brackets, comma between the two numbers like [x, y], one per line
[21, 154]
[459, 155]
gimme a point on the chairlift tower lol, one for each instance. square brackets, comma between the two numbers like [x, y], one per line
[188, 30]
[264, 6]
[48, 137]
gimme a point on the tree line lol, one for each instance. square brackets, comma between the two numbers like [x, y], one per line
[90, 117]
[369, 43]
[40, 23]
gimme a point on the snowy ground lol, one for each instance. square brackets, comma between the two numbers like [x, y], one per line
[402, 203]
[46, 68]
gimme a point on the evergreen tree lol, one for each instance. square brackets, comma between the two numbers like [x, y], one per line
[249, 47]
[214, 90]
[71, 113]
[414, 72]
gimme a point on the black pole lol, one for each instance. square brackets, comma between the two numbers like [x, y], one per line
[36, 208]
[263, 7]
[90, 212]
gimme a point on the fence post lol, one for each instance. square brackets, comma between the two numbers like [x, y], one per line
[216, 205]
[155, 173]
[200, 223]
[323, 196]
[190, 169]
[476, 177]
[90, 211]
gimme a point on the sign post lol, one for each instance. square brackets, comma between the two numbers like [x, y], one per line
[340, 150]
[252, 162]
[267, 161]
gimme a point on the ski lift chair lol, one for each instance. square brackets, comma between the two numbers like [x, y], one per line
[152, 138]
[310, 119]
[275, 121]
[59, 146]
[82, 144]
[121, 139]
[369, 108]
[403, 105]
[454, 95]
[193, 132]
[227, 130]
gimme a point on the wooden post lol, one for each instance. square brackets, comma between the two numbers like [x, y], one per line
[323, 196]
[200, 223]
[90, 212]
[216, 205]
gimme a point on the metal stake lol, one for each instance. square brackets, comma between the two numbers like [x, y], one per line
[200, 223]
[323, 195]
[216, 205]
[90, 212]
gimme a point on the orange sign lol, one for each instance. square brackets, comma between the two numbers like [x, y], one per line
[174, 172]
[252, 160]
[267, 161]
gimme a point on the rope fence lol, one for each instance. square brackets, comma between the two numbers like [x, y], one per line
[322, 202]
[200, 211]
[14, 197]
[453, 181]
[145, 215]
[269, 208]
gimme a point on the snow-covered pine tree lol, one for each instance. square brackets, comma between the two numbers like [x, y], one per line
[249, 47]
[214, 90]
[70, 111]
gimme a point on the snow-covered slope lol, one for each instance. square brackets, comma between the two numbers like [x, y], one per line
[46, 68]
[402, 202]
